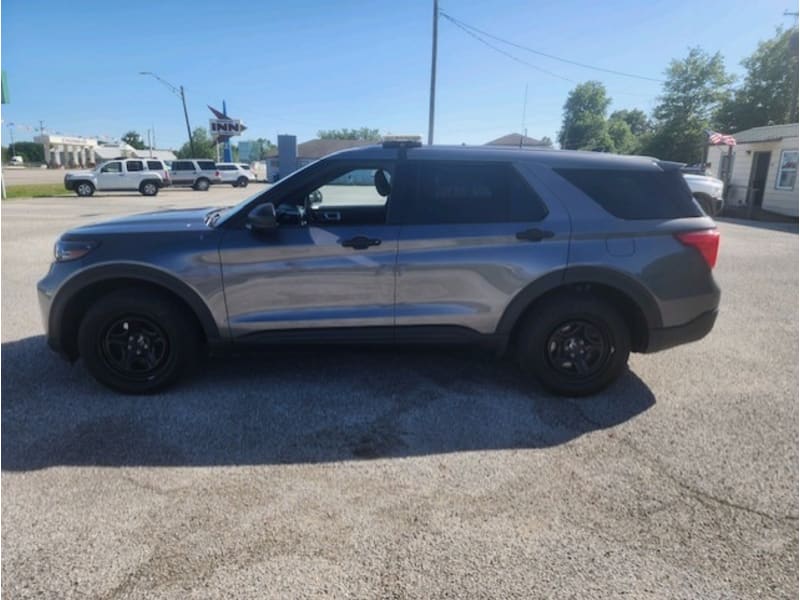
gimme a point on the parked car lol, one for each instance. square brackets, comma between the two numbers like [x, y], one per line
[125, 174]
[707, 191]
[197, 173]
[16, 161]
[237, 174]
[568, 260]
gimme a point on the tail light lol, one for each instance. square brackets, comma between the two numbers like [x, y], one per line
[166, 175]
[706, 242]
[216, 174]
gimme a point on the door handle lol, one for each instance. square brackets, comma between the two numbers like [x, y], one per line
[360, 242]
[534, 235]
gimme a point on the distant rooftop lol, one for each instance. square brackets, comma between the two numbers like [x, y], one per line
[766, 133]
[516, 139]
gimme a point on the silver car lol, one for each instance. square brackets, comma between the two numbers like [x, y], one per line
[568, 261]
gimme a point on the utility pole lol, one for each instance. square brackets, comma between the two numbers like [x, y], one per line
[180, 93]
[41, 127]
[432, 106]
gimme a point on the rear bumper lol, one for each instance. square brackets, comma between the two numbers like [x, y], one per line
[668, 337]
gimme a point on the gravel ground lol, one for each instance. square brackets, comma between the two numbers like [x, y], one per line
[404, 474]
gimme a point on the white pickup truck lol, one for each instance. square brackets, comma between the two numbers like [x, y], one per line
[142, 174]
[706, 190]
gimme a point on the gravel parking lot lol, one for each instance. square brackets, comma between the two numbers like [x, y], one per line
[403, 473]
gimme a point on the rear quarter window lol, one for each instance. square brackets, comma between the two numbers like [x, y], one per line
[206, 165]
[155, 165]
[631, 194]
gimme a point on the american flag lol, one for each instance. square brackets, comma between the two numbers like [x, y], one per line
[715, 138]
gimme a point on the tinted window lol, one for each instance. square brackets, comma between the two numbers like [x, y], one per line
[112, 167]
[635, 194]
[182, 165]
[226, 167]
[206, 165]
[473, 193]
[155, 165]
[135, 165]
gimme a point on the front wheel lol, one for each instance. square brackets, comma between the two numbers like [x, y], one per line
[137, 342]
[148, 188]
[574, 345]
[84, 189]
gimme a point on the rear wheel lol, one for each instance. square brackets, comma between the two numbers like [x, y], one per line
[137, 342]
[574, 345]
[202, 184]
[242, 182]
[148, 188]
[84, 189]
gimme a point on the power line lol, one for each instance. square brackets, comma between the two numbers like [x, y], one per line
[470, 29]
[501, 51]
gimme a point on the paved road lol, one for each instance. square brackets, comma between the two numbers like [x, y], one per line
[404, 474]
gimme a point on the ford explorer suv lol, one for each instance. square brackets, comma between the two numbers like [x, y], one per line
[197, 173]
[567, 261]
[146, 176]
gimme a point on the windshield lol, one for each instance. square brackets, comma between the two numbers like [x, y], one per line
[219, 216]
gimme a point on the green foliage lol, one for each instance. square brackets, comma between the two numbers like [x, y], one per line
[584, 125]
[204, 146]
[364, 133]
[636, 119]
[134, 139]
[6, 156]
[622, 138]
[694, 90]
[546, 141]
[769, 92]
[31, 152]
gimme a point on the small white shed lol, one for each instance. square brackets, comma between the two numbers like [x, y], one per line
[762, 168]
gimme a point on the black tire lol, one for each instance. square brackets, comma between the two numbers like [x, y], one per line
[148, 188]
[84, 189]
[137, 341]
[202, 184]
[575, 345]
[242, 182]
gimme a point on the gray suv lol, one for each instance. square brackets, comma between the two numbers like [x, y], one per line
[567, 260]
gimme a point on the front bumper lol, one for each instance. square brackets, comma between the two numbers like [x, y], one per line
[668, 337]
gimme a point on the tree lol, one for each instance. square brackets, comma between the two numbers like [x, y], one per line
[622, 138]
[31, 152]
[546, 141]
[204, 146]
[694, 90]
[769, 92]
[364, 133]
[636, 119]
[132, 138]
[584, 124]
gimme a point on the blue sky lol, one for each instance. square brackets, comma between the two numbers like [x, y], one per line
[300, 66]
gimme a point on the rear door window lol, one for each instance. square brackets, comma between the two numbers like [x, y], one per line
[154, 165]
[134, 165]
[459, 192]
[635, 194]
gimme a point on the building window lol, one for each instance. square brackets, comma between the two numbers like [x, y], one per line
[787, 171]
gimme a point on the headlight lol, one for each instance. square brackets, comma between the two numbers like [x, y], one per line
[65, 250]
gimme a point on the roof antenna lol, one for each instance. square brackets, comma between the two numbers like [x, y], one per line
[524, 111]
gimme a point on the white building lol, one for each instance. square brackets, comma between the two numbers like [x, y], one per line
[761, 170]
[70, 152]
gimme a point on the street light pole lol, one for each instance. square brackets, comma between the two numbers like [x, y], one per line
[180, 93]
[433, 70]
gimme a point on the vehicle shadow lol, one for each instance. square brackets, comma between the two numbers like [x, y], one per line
[304, 405]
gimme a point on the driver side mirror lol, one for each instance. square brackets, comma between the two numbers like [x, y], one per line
[262, 218]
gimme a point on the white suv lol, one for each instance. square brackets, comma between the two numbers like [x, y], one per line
[237, 174]
[147, 175]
